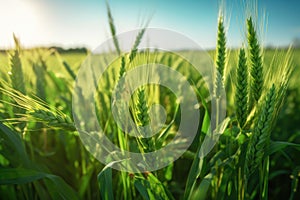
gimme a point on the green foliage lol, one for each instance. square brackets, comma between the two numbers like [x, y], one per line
[24, 171]
[105, 183]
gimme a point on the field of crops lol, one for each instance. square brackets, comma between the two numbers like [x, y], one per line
[43, 151]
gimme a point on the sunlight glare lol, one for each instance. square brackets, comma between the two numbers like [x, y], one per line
[19, 17]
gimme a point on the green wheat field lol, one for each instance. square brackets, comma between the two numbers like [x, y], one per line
[256, 156]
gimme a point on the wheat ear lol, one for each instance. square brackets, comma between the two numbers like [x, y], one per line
[220, 56]
[113, 29]
[143, 120]
[256, 59]
[53, 120]
[261, 134]
[17, 76]
[241, 93]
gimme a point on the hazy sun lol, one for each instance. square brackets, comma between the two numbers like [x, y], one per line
[19, 17]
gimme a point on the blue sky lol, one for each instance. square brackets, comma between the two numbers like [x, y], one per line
[76, 23]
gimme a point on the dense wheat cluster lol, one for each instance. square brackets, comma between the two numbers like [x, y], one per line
[256, 157]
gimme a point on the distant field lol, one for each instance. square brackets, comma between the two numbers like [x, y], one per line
[75, 60]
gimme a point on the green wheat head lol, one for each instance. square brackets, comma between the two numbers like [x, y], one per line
[122, 68]
[261, 134]
[137, 42]
[17, 78]
[120, 82]
[241, 93]
[220, 55]
[256, 69]
[113, 29]
[143, 119]
[52, 119]
[36, 110]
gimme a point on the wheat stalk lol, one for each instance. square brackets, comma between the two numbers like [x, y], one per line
[52, 119]
[143, 120]
[261, 134]
[17, 78]
[142, 108]
[241, 93]
[220, 56]
[36, 110]
[113, 29]
[137, 41]
[256, 59]
[123, 67]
